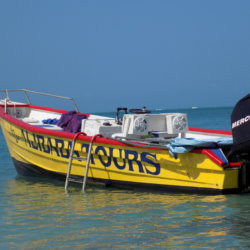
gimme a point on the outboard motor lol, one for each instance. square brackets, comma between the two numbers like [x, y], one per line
[240, 121]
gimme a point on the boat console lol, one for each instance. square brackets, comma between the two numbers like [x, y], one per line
[103, 126]
[138, 126]
[165, 125]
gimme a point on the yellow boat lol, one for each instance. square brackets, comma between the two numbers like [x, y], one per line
[139, 151]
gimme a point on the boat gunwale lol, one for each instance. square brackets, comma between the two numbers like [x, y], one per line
[45, 131]
[210, 131]
[61, 111]
[103, 140]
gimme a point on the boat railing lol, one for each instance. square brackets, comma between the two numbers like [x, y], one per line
[27, 92]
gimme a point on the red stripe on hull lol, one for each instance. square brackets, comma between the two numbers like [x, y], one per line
[210, 131]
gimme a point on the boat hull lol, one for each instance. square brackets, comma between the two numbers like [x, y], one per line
[35, 151]
[25, 169]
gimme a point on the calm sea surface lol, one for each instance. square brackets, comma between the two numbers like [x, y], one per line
[38, 214]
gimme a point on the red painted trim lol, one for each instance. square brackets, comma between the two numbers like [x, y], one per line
[210, 154]
[213, 157]
[47, 109]
[15, 105]
[216, 159]
[62, 134]
[210, 131]
[60, 111]
[39, 130]
[235, 164]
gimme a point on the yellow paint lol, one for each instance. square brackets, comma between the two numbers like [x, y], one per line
[189, 170]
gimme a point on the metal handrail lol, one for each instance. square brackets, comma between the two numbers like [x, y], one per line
[25, 91]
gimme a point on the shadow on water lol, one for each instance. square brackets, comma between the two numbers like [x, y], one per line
[39, 214]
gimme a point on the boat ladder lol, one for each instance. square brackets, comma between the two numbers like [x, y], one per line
[71, 158]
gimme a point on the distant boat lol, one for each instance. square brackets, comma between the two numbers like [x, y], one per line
[194, 107]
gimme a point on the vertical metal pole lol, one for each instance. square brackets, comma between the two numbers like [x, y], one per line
[87, 167]
[5, 101]
[5, 105]
[69, 165]
[74, 104]
[88, 161]
[27, 97]
[6, 93]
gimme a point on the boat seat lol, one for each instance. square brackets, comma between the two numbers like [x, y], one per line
[49, 126]
[37, 123]
[118, 135]
[30, 120]
[105, 127]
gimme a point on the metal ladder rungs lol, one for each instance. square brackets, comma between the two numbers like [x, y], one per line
[85, 176]
[79, 158]
[74, 180]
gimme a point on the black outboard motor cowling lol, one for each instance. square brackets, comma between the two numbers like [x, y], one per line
[240, 121]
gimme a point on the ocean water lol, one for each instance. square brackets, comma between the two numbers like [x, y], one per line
[36, 213]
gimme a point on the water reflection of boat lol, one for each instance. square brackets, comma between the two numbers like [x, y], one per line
[142, 150]
[113, 214]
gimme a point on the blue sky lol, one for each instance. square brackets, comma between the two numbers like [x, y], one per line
[134, 53]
